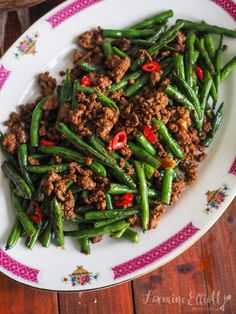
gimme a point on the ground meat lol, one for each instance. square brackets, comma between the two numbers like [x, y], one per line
[51, 103]
[133, 220]
[68, 205]
[60, 189]
[64, 112]
[201, 157]
[122, 43]
[89, 40]
[96, 239]
[32, 161]
[13, 119]
[106, 122]
[165, 53]
[179, 44]
[9, 142]
[122, 162]
[144, 54]
[97, 197]
[191, 170]
[48, 184]
[126, 152]
[117, 66]
[130, 170]
[155, 77]
[177, 189]
[99, 80]
[131, 123]
[47, 83]
[20, 133]
[88, 161]
[160, 150]
[155, 215]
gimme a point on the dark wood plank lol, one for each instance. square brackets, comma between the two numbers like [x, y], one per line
[112, 300]
[219, 256]
[39, 10]
[16, 298]
[170, 288]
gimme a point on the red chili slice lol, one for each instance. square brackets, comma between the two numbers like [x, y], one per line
[125, 199]
[149, 134]
[151, 66]
[38, 215]
[47, 143]
[119, 140]
[85, 81]
[200, 73]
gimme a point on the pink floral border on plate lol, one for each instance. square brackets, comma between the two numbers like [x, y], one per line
[4, 73]
[156, 253]
[69, 10]
[18, 269]
[228, 6]
[233, 167]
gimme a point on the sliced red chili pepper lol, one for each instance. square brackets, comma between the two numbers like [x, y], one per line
[38, 215]
[125, 199]
[149, 134]
[151, 66]
[85, 81]
[200, 73]
[47, 143]
[119, 140]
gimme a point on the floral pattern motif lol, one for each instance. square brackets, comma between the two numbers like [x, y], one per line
[216, 198]
[27, 46]
[80, 277]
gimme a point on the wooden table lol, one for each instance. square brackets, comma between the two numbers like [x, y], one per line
[201, 280]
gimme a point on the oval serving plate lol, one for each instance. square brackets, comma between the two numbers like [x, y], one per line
[48, 45]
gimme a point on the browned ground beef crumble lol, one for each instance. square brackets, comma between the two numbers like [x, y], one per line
[91, 117]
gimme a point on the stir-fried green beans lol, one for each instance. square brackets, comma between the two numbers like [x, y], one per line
[14, 235]
[156, 19]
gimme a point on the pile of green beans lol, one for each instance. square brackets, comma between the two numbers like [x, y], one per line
[189, 75]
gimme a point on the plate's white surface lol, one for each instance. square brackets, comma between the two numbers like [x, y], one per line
[54, 52]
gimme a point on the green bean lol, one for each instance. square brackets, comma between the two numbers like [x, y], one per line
[143, 42]
[76, 141]
[85, 208]
[119, 52]
[207, 28]
[190, 93]
[88, 233]
[17, 180]
[106, 101]
[89, 67]
[215, 125]
[225, 72]
[204, 55]
[73, 155]
[168, 36]
[38, 156]
[57, 222]
[142, 155]
[23, 218]
[206, 87]
[178, 60]
[14, 235]
[210, 46]
[66, 89]
[143, 190]
[74, 102]
[110, 214]
[35, 122]
[163, 131]
[107, 48]
[79, 219]
[127, 33]
[125, 81]
[108, 199]
[44, 169]
[31, 241]
[46, 236]
[189, 56]
[145, 144]
[131, 235]
[148, 170]
[118, 234]
[156, 19]
[158, 33]
[167, 186]
[23, 161]
[117, 189]
[218, 64]
[105, 222]
[85, 246]
[139, 83]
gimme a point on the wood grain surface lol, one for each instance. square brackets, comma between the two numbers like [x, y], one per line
[201, 280]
